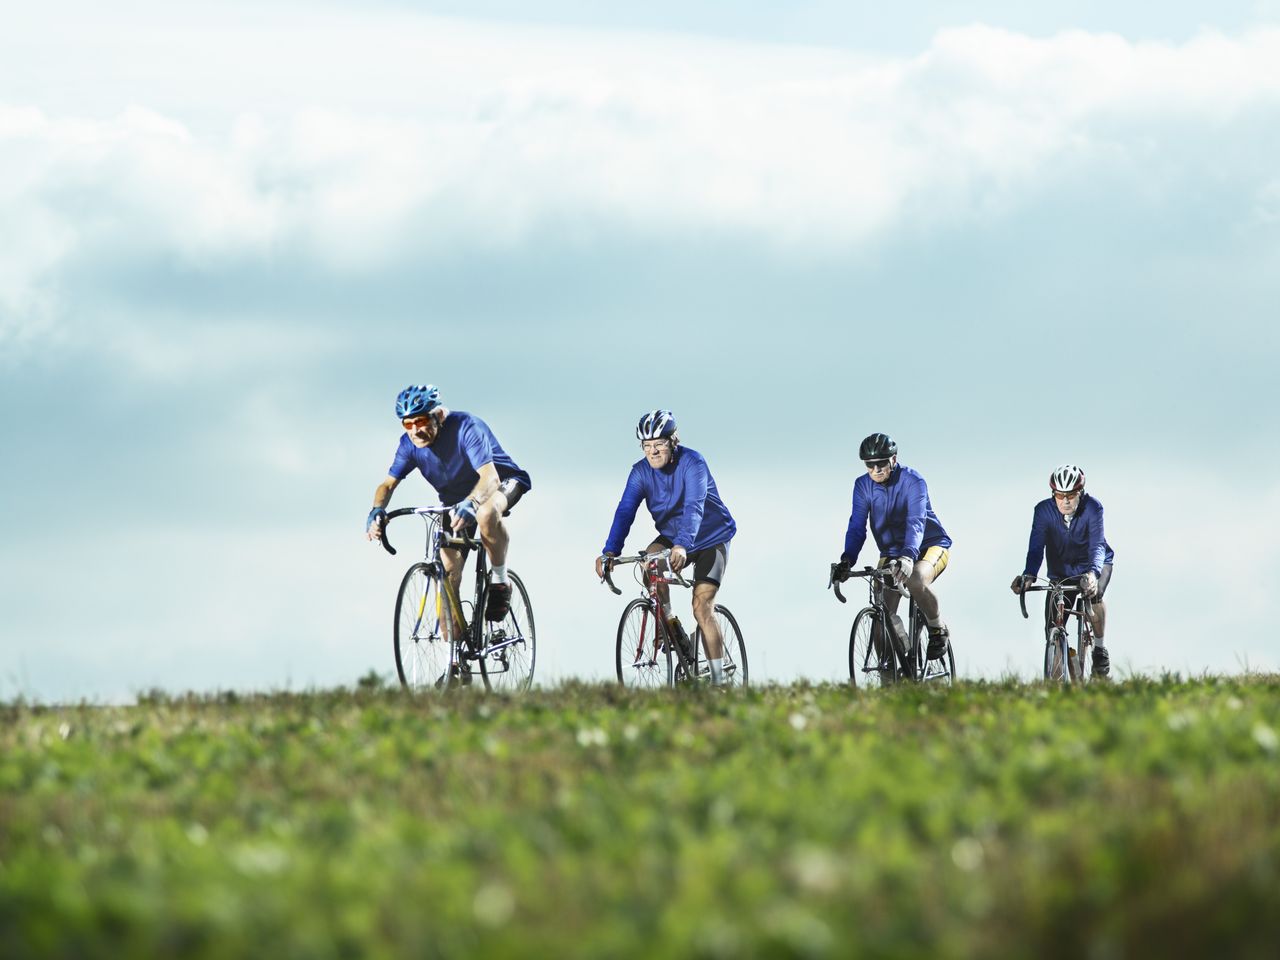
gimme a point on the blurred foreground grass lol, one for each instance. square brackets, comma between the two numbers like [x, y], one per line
[990, 819]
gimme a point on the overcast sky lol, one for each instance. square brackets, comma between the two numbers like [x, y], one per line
[230, 233]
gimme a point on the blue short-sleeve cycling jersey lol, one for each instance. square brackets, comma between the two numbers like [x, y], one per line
[684, 502]
[1070, 550]
[464, 444]
[902, 519]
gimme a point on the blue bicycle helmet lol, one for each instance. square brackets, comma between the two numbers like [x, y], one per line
[655, 425]
[417, 400]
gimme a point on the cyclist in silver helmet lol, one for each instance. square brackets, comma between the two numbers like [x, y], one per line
[675, 484]
[1067, 531]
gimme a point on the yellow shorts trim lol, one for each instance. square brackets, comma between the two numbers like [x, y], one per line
[938, 556]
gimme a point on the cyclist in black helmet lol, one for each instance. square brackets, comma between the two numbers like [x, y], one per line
[460, 457]
[895, 500]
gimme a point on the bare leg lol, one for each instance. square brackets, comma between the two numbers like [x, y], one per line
[704, 611]
[1098, 620]
[454, 561]
[493, 532]
[918, 585]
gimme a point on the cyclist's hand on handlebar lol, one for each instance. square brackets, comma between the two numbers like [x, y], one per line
[373, 526]
[1089, 584]
[678, 558]
[604, 564]
[1020, 583]
[464, 513]
[901, 569]
[842, 571]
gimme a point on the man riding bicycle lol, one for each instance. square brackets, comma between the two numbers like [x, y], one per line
[692, 520]
[1066, 530]
[912, 543]
[460, 457]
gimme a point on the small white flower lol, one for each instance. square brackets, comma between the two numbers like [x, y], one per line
[1266, 737]
[798, 721]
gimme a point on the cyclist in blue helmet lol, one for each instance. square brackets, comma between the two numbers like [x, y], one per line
[894, 500]
[459, 456]
[675, 484]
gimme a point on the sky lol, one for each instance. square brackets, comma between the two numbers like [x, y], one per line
[1010, 237]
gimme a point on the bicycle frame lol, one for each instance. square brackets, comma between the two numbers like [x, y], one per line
[906, 661]
[1056, 631]
[654, 573]
[471, 644]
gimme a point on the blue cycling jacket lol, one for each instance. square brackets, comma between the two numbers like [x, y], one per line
[1071, 551]
[902, 519]
[463, 445]
[684, 502]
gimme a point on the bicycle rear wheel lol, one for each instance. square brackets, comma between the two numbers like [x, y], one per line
[644, 658]
[872, 660]
[423, 645]
[735, 650]
[939, 671]
[1056, 658]
[510, 645]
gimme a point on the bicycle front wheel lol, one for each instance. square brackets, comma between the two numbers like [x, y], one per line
[871, 657]
[423, 645]
[510, 645]
[644, 657]
[735, 650]
[1057, 667]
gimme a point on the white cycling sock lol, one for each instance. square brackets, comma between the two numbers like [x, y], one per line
[717, 670]
[499, 573]
[934, 623]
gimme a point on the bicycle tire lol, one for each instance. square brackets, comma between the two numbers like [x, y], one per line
[1056, 660]
[422, 638]
[872, 661]
[941, 670]
[736, 673]
[643, 657]
[1084, 651]
[509, 669]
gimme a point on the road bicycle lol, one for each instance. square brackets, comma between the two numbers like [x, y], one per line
[436, 644]
[1063, 663]
[878, 653]
[653, 651]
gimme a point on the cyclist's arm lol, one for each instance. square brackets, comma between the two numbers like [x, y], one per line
[1097, 542]
[632, 496]
[917, 506]
[856, 535]
[485, 485]
[381, 497]
[1035, 545]
[695, 502]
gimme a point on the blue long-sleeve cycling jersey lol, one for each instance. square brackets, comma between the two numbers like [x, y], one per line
[902, 519]
[464, 445]
[683, 499]
[1070, 550]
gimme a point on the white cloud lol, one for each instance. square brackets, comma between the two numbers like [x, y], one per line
[487, 134]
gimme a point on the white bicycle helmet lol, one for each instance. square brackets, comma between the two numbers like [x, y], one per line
[1068, 478]
[655, 425]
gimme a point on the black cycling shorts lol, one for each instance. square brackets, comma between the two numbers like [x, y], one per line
[708, 563]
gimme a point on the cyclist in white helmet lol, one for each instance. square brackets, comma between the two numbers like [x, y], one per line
[674, 483]
[1067, 531]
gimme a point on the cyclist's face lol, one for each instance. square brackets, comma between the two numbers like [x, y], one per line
[1067, 502]
[422, 431]
[880, 469]
[657, 452]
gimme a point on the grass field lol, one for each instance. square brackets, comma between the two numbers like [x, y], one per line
[1140, 819]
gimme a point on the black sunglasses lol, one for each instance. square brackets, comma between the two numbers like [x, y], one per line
[876, 464]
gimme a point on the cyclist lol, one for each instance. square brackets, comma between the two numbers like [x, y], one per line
[1066, 530]
[912, 543]
[460, 457]
[692, 520]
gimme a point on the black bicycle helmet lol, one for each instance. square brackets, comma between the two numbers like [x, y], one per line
[878, 446]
